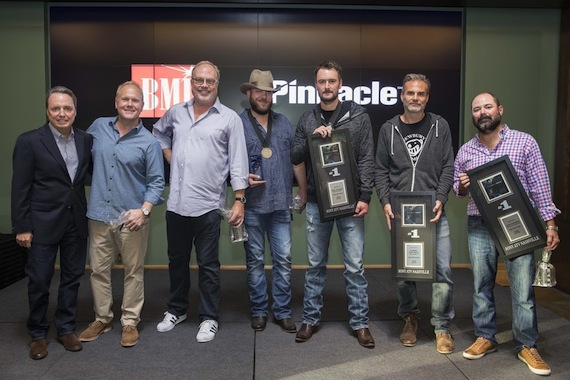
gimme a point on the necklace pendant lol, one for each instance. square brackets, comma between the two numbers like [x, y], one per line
[266, 152]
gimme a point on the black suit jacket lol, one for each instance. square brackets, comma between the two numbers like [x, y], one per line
[42, 192]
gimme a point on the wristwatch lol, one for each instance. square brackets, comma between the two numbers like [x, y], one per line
[146, 211]
[242, 199]
[555, 228]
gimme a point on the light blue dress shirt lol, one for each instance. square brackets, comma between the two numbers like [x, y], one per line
[68, 150]
[127, 170]
[204, 153]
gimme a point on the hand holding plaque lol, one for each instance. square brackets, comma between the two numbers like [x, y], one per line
[505, 207]
[413, 235]
[335, 174]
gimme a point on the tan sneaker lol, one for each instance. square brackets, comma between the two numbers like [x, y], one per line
[480, 348]
[130, 336]
[444, 343]
[408, 337]
[94, 330]
[532, 358]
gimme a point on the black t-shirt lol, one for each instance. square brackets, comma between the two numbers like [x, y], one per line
[415, 136]
[326, 115]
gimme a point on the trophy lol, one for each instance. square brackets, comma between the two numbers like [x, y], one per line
[545, 274]
[119, 221]
[296, 204]
[237, 234]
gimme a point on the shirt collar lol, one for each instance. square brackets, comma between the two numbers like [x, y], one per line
[137, 128]
[58, 135]
[217, 106]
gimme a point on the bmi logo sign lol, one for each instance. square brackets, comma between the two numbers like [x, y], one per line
[163, 86]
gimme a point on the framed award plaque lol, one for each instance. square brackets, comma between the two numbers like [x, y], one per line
[505, 208]
[335, 174]
[413, 236]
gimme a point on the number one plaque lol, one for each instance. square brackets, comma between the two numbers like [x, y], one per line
[413, 236]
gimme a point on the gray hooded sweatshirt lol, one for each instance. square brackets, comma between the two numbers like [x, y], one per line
[433, 170]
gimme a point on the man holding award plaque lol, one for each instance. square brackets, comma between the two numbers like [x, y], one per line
[494, 140]
[204, 143]
[332, 116]
[269, 138]
[415, 154]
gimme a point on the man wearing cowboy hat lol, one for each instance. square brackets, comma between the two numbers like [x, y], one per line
[269, 139]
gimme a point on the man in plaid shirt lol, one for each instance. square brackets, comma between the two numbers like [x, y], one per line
[493, 140]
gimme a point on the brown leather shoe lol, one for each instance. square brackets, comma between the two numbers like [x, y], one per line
[305, 333]
[364, 337]
[38, 349]
[286, 325]
[444, 343]
[70, 342]
[408, 337]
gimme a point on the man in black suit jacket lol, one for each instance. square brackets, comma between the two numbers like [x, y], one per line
[50, 165]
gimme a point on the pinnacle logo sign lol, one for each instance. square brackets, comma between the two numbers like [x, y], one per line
[165, 85]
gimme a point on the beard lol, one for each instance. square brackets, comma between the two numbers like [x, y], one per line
[260, 108]
[329, 100]
[487, 124]
[415, 108]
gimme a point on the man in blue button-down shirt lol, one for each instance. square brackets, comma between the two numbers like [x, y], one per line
[128, 180]
[269, 138]
[203, 141]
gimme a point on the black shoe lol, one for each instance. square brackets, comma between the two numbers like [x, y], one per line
[305, 333]
[286, 325]
[364, 337]
[258, 323]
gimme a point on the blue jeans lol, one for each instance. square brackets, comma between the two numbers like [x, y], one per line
[351, 232]
[277, 227]
[442, 311]
[520, 271]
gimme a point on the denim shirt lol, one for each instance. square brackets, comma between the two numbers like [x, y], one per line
[127, 170]
[277, 170]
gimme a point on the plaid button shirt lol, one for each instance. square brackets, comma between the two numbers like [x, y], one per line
[524, 153]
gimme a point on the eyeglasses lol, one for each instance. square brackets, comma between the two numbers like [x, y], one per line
[208, 81]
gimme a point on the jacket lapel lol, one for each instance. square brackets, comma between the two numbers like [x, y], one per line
[49, 142]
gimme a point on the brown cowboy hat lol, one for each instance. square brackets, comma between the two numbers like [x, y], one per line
[261, 80]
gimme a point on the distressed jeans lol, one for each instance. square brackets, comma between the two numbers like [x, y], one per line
[520, 271]
[351, 232]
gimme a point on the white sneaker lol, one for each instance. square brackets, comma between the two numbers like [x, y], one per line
[208, 330]
[169, 321]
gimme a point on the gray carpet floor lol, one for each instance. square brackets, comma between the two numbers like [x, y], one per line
[238, 352]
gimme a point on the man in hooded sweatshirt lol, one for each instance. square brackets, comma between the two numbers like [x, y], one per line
[415, 153]
[329, 115]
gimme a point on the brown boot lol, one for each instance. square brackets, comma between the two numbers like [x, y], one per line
[410, 331]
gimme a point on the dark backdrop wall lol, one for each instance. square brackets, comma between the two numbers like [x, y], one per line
[92, 50]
